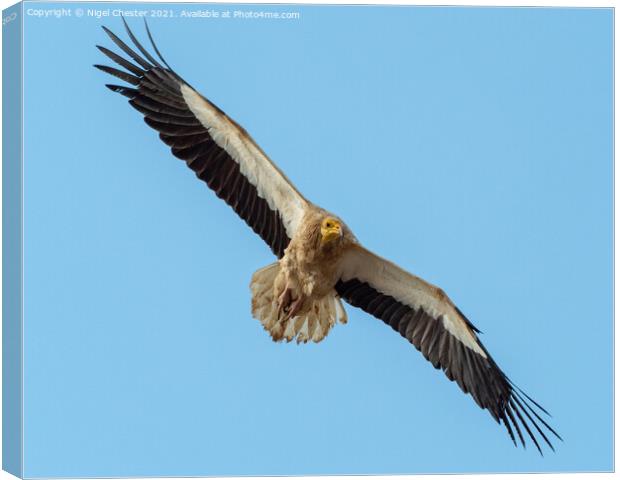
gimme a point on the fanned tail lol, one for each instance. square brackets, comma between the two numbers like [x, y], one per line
[311, 326]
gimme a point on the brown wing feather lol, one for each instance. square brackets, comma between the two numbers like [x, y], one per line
[368, 282]
[158, 93]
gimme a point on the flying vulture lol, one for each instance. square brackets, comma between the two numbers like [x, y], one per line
[320, 262]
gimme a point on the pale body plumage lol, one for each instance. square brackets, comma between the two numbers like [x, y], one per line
[312, 268]
[308, 271]
[320, 261]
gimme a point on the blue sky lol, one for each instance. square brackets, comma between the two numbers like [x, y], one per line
[472, 146]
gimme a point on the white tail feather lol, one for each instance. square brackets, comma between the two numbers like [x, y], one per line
[313, 325]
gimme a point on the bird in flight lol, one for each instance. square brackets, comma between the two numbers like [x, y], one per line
[320, 262]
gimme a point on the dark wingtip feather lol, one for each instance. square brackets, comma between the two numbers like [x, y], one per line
[509, 428]
[536, 426]
[515, 409]
[529, 398]
[515, 424]
[126, 91]
[119, 74]
[161, 57]
[144, 51]
[109, 32]
[123, 46]
[518, 397]
[121, 61]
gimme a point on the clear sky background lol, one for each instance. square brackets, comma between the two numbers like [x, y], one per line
[472, 146]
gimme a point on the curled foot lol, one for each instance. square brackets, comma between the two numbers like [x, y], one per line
[288, 306]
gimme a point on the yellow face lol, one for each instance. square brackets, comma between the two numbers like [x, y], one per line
[331, 230]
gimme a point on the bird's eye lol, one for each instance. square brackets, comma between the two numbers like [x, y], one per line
[328, 225]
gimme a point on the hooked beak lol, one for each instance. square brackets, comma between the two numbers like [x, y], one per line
[333, 233]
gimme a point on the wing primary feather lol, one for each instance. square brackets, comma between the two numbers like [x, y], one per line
[148, 32]
[444, 344]
[161, 113]
[517, 388]
[485, 387]
[167, 105]
[508, 410]
[480, 384]
[125, 91]
[449, 367]
[508, 427]
[472, 378]
[538, 417]
[527, 396]
[173, 130]
[135, 41]
[156, 103]
[542, 434]
[459, 366]
[446, 338]
[121, 61]
[158, 77]
[119, 74]
[516, 411]
[169, 118]
[123, 46]
[160, 95]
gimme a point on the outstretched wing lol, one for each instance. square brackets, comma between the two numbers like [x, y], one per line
[424, 315]
[217, 149]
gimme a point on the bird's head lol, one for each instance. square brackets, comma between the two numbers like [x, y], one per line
[331, 230]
